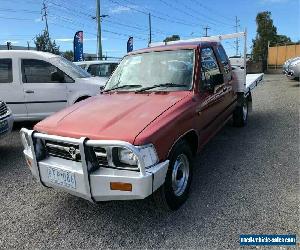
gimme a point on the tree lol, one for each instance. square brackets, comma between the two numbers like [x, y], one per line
[69, 55]
[172, 38]
[266, 33]
[281, 40]
[43, 43]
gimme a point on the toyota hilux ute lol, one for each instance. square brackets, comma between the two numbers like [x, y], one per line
[159, 108]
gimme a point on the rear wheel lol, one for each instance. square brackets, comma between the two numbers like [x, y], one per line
[174, 192]
[240, 114]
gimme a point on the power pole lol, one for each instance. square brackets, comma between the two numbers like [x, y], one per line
[150, 29]
[206, 30]
[44, 16]
[237, 25]
[99, 42]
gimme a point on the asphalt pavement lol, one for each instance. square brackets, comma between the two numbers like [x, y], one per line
[246, 181]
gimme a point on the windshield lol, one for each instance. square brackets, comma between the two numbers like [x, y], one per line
[69, 68]
[163, 70]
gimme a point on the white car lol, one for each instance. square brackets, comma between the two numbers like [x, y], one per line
[102, 69]
[6, 120]
[36, 84]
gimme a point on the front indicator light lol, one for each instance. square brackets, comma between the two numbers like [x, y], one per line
[121, 186]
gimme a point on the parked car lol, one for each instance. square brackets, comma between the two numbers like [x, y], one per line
[6, 120]
[291, 68]
[139, 137]
[37, 84]
[99, 68]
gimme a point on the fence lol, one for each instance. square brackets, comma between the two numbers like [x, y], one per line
[279, 54]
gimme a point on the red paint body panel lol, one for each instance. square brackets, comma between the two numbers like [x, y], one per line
[116, 116]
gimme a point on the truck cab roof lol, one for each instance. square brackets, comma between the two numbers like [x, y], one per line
[176, 46]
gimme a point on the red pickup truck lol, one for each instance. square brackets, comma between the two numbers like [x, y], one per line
[138, 138]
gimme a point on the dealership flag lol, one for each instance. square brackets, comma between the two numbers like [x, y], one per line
[78, 46]
[130, 44]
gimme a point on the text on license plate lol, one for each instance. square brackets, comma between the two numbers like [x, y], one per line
[62, 177]
[3, 126]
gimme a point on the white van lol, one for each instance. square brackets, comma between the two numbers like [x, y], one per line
[36, 84]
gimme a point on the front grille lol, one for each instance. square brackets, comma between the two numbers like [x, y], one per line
[3, 109]
[71, 152]
[63, 150]
[101, 156]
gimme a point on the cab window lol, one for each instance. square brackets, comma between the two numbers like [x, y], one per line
[6, 71]
[209, 67]
[225, 62]
[38, 71]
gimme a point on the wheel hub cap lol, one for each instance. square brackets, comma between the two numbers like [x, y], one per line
[180, 174]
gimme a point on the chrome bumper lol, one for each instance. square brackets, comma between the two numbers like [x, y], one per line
[95, 185]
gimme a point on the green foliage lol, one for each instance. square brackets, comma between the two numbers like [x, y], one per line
[43, 43]
[266, 33]
[69, 55]
[172, 38]
[282, 40]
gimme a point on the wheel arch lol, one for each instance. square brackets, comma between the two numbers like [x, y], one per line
[192, 139]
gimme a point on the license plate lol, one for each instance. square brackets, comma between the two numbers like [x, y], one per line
[62, 177]
[3, 126]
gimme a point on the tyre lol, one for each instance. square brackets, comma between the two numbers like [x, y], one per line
[174, 192]
[240, 114]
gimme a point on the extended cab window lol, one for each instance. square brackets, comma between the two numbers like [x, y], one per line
[225, 62]
[6, 71]
[209, 67]
[38, 71]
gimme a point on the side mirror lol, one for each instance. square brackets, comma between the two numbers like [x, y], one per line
[57, 77]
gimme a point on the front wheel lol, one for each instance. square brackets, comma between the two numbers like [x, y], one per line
[174, 192]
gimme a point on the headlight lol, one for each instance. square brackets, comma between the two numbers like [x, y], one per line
[128, 157]
[125, 158]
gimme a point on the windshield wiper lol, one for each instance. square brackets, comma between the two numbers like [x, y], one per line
[124, 86]
[168, 85]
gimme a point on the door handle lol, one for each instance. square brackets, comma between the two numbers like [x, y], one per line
[29, 91]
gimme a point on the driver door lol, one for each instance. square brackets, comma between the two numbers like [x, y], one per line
[212, 95]
[43, 94]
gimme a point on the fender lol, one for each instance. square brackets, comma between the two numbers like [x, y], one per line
[180, 137]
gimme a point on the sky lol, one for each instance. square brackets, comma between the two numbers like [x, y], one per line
[21, 21]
